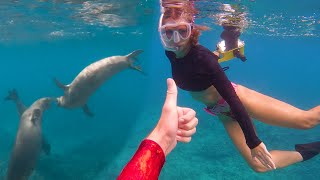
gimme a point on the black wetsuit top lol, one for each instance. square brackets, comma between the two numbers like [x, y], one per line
[200, 69]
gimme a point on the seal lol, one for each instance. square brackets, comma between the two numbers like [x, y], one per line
[28, 143]
[13, 96]
[91, 78]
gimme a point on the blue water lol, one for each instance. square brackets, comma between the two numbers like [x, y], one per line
[44, 39]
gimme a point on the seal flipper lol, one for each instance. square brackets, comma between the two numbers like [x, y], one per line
[87, 111]
[13, 95]
[46, 147]
[60, 85]
[132, 57]
[36, 114]
[138, 68]
[134, 54]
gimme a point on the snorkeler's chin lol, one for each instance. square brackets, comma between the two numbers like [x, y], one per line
[182, 50]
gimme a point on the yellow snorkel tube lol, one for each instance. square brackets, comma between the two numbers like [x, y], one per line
[233, 53]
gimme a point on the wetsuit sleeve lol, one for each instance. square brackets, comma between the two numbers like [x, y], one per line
[221, 82]
[146, 163]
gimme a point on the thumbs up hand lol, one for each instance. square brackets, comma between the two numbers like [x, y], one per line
[175, 124]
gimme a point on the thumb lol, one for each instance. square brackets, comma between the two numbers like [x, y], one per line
[172, 93]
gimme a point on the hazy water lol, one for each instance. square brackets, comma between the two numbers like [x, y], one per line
[40, 40]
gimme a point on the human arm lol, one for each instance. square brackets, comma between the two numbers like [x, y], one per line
[226, 90]
[221, 82]
[175, 124]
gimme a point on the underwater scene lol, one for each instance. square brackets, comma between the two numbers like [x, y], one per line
[45, 44]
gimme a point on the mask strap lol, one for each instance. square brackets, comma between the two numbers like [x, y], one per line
[160, 22]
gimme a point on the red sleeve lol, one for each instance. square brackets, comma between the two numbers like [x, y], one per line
[146, 163]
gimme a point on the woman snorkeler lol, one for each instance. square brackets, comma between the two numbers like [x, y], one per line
[196, 69]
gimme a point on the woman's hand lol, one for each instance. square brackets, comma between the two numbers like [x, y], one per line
[262, 154]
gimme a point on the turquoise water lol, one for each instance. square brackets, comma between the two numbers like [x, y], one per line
[40, 40]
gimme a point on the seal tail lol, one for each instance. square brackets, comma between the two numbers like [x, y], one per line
[13, 95]
[134, 54]
[132, 57]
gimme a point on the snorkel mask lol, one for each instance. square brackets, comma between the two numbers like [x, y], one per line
[174, 34]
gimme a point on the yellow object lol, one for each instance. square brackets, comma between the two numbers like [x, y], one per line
[228, 55]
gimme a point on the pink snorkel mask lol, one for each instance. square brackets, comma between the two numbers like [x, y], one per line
[174, 33]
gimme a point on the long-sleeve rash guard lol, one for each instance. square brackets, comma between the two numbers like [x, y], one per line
[146, 163]
[200, 69]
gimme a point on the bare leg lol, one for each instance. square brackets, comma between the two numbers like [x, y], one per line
[275, 112]
[280, 158]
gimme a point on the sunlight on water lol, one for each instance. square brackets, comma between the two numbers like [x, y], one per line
[24, 20]
[266, 19]
[44, 19]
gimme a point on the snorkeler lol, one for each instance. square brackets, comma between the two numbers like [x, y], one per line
[231, 35]
[196, 69]
[13, 96]
[233, 23]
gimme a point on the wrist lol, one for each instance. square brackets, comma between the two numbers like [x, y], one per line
[255, 143]
[161, 139]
